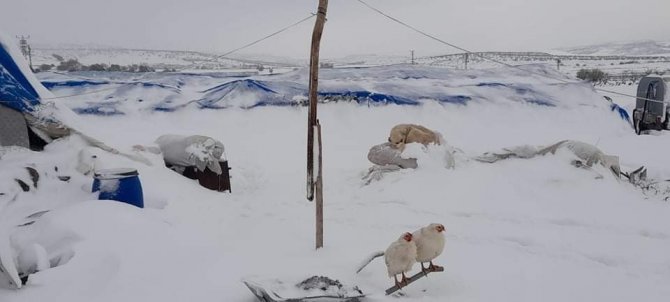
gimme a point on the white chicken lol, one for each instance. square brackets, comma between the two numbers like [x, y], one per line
[400, 257]
[429, 242]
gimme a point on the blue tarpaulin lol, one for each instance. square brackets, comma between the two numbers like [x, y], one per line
[16, 92]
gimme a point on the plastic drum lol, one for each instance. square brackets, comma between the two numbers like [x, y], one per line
[119, 184]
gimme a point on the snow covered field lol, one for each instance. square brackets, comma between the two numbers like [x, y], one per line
[518, 230]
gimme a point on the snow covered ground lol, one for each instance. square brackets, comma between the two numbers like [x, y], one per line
[518, 230]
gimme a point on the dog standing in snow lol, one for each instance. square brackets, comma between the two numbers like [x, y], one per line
[410, 133]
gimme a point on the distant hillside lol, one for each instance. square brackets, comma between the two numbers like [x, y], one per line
[88, 55]
[640, 48]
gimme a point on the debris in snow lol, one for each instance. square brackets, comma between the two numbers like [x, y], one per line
[587, 154]
[315, 288]
[195, 150]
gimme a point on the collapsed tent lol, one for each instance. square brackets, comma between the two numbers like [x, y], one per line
[398, 84]
[407, 85]
[25, 121]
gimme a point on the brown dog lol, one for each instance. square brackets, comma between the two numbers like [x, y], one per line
[410, 133]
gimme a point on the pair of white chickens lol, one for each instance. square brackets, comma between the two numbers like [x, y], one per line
[422, 246]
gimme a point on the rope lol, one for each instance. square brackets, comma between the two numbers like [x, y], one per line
[490, 59]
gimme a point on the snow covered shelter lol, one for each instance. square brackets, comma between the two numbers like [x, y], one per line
[23, 121]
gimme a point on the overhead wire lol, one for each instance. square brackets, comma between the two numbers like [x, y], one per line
[423, 33]
[267, 37]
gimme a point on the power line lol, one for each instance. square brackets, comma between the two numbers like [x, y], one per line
[433, 37]
[264, 38]
[490, 59]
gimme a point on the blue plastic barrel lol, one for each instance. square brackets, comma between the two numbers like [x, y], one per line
[119, 184]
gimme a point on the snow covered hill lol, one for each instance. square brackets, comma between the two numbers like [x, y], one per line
[155, 58]
[638, 48]
[519, 230]
[621, 60]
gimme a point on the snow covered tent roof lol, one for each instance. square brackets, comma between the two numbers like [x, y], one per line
[16, 91]
[17, 95]
[21, 101]
[401, 85]
[123, 93]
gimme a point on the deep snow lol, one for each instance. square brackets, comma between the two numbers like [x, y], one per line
[517, 230]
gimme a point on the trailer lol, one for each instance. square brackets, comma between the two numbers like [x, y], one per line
[652, 106]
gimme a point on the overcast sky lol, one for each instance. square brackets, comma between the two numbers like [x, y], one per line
[222, 25]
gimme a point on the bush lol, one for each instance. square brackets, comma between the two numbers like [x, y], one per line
[45, 67]
[59, 58]
[592, 75]
[115, 67]
[70, 65]
[97, 67]
[145, 68]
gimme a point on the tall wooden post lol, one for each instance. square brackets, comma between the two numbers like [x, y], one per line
[467, 57]
[315, 183]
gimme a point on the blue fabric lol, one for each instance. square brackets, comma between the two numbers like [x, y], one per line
[71, 83]
[16, 92]
[399, 85]
[622, 112]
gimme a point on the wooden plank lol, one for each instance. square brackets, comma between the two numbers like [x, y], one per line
[411, 280]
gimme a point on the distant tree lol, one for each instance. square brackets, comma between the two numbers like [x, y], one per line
[97, 67]
[70, 65]
[115, 67]
[59, 58]
[592, 75]
[145, 68]
[132, 68]
[45, 67]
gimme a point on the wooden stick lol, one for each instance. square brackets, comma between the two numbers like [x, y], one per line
[319, 191]
[313, 86]
[410, 280]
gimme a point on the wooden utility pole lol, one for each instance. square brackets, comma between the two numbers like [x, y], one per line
[313, 125]
[25, 49]
[412, 51]
[467, 55]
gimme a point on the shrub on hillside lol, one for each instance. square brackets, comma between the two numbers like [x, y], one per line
[592, 75]
[69, 65]
[45, 67]
[97, 67]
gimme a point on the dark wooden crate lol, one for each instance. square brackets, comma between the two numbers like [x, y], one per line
[209, 179]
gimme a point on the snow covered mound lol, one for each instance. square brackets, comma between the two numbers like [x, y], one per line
[121, 93]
